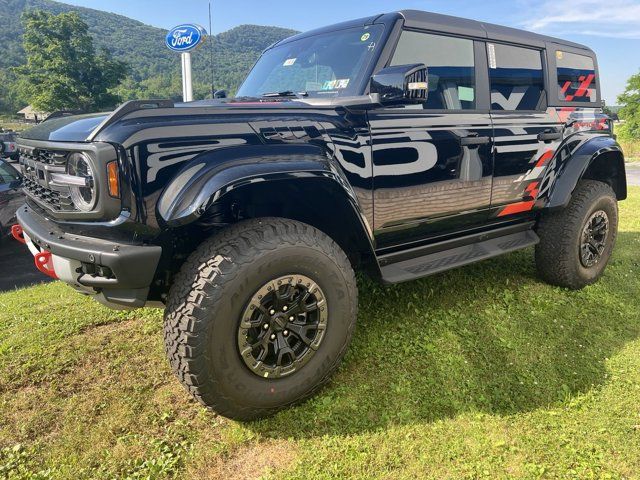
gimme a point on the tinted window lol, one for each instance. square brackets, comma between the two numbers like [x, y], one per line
[451, 68]
[515, 73]
[576, 77]
[327, 64]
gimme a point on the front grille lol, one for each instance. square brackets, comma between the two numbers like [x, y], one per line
[37, 165]
[57, 201]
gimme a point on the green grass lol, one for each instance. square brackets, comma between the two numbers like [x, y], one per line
[631, 149]
[483, 372]
[12, 124]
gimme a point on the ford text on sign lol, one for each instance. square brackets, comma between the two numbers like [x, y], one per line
[184, 38]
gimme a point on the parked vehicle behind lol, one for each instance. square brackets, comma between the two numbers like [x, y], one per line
[400, 145]
[11, 196]
[8, 145]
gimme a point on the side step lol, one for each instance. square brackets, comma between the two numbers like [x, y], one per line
[456, 257]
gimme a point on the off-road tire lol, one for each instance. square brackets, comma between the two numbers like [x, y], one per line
[558, 253]
[210, 292]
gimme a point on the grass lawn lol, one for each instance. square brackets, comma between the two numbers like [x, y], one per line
[483, 372]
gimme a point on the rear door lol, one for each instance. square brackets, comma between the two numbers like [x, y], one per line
[432, 163]
[526, 131]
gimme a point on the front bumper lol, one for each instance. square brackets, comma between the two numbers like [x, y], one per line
[80, 261]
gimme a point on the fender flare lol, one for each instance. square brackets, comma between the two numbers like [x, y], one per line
[571, 167]
[207, 178]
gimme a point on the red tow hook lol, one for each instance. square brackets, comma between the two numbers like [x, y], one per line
[44, 263]
[17, 233]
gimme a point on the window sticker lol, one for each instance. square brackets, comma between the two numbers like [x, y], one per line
[329, 85]
[336, 84]
[491, 51]
[466, 94]
[289, 62]
[365, 37]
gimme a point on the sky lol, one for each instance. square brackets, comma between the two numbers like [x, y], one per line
[610, 27]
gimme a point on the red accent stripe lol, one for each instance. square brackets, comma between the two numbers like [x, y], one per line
[584, 86]
[532, 189]
[546, 156]
[517, 208]
[565, 87]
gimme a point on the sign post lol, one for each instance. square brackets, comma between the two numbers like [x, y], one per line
[184, 39]
[187, 85]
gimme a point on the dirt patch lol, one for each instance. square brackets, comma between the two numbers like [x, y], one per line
[250, 462]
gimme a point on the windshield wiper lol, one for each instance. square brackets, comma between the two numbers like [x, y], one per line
[286, 93]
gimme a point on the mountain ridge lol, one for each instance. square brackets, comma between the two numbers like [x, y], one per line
[142, 46]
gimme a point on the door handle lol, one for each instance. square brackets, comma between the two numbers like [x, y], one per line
[548, 136]
[473, 141]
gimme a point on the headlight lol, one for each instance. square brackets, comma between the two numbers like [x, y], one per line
[84, 197]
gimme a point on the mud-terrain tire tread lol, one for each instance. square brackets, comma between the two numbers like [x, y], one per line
[203, 278]
[556, 256]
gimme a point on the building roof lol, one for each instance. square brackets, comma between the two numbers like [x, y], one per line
[29, 110]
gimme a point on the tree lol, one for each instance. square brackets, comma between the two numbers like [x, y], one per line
[63, 70]
[630, 111]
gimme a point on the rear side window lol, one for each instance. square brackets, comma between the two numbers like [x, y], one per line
[576, 77]
[450, 62]
[516, 77]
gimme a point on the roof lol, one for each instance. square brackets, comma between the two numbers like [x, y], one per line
[446, 23]
[463, 26]
[29, 110]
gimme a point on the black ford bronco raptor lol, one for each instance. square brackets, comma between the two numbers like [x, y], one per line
[401, 145]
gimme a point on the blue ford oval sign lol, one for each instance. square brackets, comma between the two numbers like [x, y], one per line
[184, 38]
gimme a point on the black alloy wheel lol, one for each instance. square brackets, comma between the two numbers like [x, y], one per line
[282, 326]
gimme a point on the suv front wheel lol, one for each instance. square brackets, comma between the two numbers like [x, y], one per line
[576, 242]
[260, 316]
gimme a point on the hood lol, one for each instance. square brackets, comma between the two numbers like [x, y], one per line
[75, 128]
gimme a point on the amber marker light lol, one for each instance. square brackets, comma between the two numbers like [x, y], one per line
[112, 176]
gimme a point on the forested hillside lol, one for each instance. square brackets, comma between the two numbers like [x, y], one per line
[154, 69]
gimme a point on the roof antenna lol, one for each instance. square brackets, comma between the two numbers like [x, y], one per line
[213, 88]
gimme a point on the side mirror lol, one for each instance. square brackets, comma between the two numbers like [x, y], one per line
[220, 94]
[401, 84]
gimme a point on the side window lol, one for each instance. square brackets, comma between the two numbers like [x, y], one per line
[576, 77]
[451, 68]
[516, 77]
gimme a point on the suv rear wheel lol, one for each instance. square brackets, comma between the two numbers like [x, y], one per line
[576, 242]
[260, 316]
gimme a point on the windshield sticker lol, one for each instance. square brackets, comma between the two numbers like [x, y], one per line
[289, 62]
[329, 85]
[365, 37]
[336, 84]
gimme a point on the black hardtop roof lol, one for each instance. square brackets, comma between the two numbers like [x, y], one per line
[435, 21]
[446, 23]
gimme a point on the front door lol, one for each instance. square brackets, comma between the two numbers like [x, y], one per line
[432, 163]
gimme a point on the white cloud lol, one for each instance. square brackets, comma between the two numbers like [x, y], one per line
[604, 18]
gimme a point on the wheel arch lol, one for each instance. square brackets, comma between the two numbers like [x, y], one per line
[297, 182]
[600, 158]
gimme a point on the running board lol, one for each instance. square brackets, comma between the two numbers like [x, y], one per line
[457, 257]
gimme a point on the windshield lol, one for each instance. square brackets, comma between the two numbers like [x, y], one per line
[330, 63]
